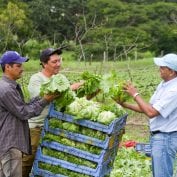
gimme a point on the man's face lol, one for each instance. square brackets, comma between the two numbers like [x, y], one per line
[14, 71]
[53, 65]
[165, 73]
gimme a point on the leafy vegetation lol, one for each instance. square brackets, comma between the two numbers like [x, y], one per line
[58, 84]
[56, 169]
[65, 141]
[112, 86]
[129, 163]
[90, 85]
[56, 123]
[95, 111]
[68, 157]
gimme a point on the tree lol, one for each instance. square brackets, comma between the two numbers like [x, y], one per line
[14, 26]
[115, 27]
[55, 19]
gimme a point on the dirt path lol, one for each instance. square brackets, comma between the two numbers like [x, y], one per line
[137, 128]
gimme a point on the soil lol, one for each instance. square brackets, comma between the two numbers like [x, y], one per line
[137, 128]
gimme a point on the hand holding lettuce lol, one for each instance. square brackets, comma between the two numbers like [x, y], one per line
[90, 87]
[112, 86]
[58, 84]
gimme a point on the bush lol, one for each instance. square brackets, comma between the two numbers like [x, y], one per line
[33, 47]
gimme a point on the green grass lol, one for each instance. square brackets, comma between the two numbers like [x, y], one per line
[34, 65]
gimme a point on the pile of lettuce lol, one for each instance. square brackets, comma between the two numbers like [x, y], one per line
[82, 108]
[77, 104]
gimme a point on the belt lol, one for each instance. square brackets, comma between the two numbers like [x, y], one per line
[158, 131]
[37, 127]
[155, 132]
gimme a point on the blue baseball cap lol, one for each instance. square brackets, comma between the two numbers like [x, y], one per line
[12, 57]
[168, 60]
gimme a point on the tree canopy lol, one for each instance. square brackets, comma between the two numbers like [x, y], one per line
[115, 28]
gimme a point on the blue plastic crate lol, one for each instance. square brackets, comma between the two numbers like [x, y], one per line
[109, 142]
[115, 126]
[100, 171]
[104, 156]
[43, 173]
[143, 148]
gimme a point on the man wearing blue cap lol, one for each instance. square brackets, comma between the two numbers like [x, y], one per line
[162, 112]
[14, 115]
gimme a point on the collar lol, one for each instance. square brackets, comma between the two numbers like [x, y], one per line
[169, 82]
[5, 78]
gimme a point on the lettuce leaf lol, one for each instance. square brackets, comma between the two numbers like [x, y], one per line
[57, 83]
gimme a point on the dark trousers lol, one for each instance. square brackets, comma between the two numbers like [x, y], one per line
[27, 160]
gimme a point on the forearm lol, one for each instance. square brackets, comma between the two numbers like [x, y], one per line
[133, 107]
[22, 110]
[146, 108]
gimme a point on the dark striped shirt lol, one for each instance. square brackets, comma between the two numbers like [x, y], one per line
[14, 115]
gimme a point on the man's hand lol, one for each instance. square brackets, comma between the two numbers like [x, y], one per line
[89, 97]
[76, 85]
[130, 89]
[117, 100]
[51, 97]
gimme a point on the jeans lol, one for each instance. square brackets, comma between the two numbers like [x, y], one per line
[164, 149]
[11, 163]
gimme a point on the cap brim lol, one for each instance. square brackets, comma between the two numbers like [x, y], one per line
[159, 62]
[21, 60]
[58, 51]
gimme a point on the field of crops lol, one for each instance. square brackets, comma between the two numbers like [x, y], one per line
[145, 76]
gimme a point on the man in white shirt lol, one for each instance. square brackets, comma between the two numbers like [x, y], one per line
[162, 112]
[51, 63]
